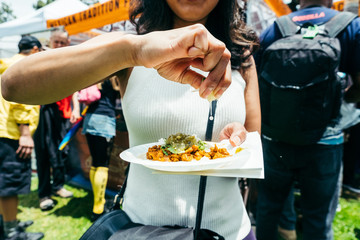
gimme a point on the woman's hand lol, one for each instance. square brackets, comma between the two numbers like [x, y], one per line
[173, 52]
[235, 132]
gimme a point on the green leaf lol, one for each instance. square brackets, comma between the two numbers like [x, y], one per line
[171, 149]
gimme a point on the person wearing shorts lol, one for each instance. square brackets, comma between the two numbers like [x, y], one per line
[17, 124]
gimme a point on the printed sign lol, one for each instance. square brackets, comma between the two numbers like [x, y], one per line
[96, 16]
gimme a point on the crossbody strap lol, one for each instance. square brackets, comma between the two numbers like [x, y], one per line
[202, 184]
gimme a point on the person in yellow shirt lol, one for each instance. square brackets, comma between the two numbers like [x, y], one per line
[18, 122]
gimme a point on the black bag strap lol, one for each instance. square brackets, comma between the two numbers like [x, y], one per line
[203, 179]
[119, 196]
[338, 23]
[202, 185]
[286, 26]
[210, 123]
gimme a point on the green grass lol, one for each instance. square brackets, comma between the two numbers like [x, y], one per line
[347, 222]
[70, 218]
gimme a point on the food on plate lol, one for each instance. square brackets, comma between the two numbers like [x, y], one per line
[183, 147]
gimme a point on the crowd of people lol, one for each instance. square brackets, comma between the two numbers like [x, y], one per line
[187, 45]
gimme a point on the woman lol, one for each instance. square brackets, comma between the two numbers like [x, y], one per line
[155, 108]
[99, 128]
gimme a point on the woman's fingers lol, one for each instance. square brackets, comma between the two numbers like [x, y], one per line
[235, 132]
[200, 44]
[173, 52]
[237, 138]
[219, 78]
[216, 61]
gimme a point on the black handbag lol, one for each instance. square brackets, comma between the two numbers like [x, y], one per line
[116, 224]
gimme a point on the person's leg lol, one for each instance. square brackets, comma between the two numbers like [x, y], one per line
[99, 171]
[287, 221]
[273, 189]
[51, 164]
[351, 159]
[58, 162]
[288, 214]
[9, 210]
[41, 139]
[43, 173]
[58, 175]
[319, 190]
[15, 179]
[12, 227]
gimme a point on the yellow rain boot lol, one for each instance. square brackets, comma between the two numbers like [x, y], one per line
[99, 187]
[91, 176]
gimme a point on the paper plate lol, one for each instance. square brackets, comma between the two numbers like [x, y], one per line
[137, 155]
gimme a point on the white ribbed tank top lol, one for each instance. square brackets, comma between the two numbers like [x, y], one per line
[172, 199]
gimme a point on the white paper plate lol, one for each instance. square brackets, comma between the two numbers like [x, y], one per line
[137, 155]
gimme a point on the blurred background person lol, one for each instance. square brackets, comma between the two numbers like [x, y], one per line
[17, 124]
[55, 121]
[99, 128]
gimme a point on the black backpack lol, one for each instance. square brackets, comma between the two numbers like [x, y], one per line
[300, 91]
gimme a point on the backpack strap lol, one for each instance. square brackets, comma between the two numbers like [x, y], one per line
[286, 26]
[338, 23]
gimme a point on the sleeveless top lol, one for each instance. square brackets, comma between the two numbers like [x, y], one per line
[155, 108]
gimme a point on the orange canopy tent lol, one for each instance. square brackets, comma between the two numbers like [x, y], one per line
[96, 16]
[278, 7]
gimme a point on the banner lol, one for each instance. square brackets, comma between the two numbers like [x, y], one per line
[338, 5]
[96, 16]
[278, 7]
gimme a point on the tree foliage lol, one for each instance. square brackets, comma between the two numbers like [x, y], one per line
[42, 3]
[6, 13]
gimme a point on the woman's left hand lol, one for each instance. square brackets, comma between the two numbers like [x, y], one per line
[235, 132]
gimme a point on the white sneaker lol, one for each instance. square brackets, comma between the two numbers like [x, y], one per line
[47, 204]
[62, 192]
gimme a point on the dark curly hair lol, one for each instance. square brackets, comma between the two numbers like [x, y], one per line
[225, 22]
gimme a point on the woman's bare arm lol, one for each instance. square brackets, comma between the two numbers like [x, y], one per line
[49, 76]
[252, 100]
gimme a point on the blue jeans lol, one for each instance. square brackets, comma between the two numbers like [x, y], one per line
[316, 168]
[288, 215]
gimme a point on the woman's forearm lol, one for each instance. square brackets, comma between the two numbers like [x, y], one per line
[252, 100]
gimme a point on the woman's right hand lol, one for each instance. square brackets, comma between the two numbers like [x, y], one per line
[173, 52]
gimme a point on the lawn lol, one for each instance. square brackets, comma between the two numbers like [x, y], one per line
[70, 218]
[347, 221]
